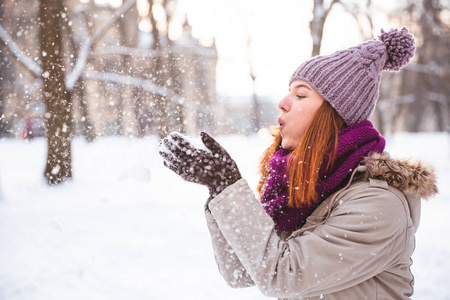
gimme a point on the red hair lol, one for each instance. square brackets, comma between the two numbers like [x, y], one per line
[320, 138]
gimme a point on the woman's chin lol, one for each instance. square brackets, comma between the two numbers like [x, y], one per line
[286, 145]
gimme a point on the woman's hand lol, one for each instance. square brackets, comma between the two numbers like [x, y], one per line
[212, 167]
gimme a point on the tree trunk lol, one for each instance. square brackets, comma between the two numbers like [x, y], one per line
[57, 99]
[3, 65]
[118, 107]
[88, 126]
[137, 105]
[256, 114]
[129, 31]
[158, 77]
[174, 74]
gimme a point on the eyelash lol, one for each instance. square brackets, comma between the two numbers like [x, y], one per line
[300, 96]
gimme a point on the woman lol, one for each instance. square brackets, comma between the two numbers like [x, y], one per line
[336, 217]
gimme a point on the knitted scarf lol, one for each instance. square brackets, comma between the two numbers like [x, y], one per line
[354, 143]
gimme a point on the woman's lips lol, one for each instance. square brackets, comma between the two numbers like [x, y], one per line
[281, 123]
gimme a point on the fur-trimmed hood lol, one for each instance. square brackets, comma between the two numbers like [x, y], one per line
[410, 177]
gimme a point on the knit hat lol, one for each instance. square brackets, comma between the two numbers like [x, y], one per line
[349, 79]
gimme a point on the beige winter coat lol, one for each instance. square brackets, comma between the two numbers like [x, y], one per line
[356, 245]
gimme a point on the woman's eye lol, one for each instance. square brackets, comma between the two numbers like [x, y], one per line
[301, 96]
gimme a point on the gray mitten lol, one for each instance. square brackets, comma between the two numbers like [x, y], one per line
[212, 167]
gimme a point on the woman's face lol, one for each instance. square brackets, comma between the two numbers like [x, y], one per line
[297, 111]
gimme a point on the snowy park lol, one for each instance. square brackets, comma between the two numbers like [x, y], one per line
[89, 87]
[125, 227]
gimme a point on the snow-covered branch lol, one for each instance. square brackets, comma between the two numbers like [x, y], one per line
[140, 52]
[440, 70]
[72, 78]
[411, 98]
[84, 52]
[123, 50]
[439, 98]
[407, 99]
[147, 85]
[196, 49]
[29, 63]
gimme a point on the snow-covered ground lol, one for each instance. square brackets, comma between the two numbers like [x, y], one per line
[127, 228]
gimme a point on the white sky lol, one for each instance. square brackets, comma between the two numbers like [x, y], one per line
[280, 36]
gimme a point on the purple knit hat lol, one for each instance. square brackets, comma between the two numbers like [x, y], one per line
[349, 79]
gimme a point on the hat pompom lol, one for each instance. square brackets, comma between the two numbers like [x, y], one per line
[399, 46]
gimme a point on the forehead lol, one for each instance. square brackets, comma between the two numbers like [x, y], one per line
[300, 83]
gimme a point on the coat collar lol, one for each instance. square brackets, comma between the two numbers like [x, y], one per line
[410, 177]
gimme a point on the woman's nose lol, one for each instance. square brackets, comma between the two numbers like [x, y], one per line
[284, 105]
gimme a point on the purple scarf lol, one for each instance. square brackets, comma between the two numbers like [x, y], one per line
[355, 143]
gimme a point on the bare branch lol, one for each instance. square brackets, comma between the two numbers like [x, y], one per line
[333, 3]
[369, 17]
[29, 63]
[327, 11]
[72, 78]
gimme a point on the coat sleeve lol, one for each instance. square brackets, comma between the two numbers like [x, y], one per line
[230, 267]
[362, 237]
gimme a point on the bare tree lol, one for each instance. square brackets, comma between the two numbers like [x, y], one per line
[434, 50]
[321, 12]
[160, 70]
[256, 110]
[57, 99]
[172, 69]
[158, 73]
[128, 29]
[427, 78]
[57, 88]
[60, 79]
